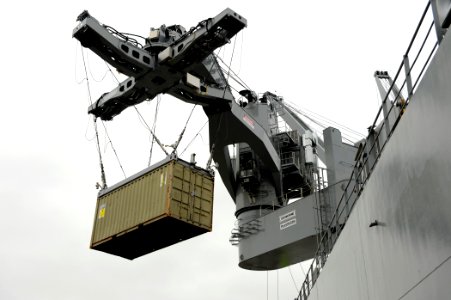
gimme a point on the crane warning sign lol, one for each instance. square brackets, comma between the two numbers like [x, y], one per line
[287, 220]
[102, 211]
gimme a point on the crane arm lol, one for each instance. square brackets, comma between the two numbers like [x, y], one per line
[162, 63]
[181, 63]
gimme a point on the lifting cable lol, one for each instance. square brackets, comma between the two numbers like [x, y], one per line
[111, 72]
[210, 158]
[237, 79]
[106, 132]
[343, 127]
[114, 149]
[176, 144]
[302, 269]
[197, 134]
[86, 75]
[230, 65]
[212, 150]
[151, 131]
[154, 127]
[350, 133]
[294, 281]
[242, 84]
[102, 169]
[241, 51]
[90, 71]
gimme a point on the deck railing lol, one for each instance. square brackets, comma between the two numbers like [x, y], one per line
[407, 78]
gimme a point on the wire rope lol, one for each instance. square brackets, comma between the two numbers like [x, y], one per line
[183, 131]
[102, 169]
[154, 128]
[327, 120]
[197, 134]
[242, 81]
[347, 133]
[151, 131]
[210, 159]
[75, 69]
[114, 149]
[108, 66]
[86, 76]
[237, 80]
[302, 269]
[294, 281]
[241, 52]
[230, 64]
[90, 71]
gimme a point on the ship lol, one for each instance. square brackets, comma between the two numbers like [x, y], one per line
[395, 242]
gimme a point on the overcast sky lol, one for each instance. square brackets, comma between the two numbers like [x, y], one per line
[320, 55]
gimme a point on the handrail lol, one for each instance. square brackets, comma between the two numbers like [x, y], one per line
[362, 168]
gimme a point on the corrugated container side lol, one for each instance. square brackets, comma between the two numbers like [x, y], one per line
[192, 196]
[135, 203]
[153, 209]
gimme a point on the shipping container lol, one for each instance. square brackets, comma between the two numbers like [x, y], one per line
[162, 205]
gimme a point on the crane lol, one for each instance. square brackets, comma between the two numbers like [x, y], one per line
[271, 167]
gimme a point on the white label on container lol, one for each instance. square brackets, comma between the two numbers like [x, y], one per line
[287, 216]
[287, 224]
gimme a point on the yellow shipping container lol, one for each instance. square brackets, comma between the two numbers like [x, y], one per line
[162, 205]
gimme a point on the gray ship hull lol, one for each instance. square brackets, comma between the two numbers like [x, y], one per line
[408, 254]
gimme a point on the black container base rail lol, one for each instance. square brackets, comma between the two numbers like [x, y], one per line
[148, 238]
[162, 205]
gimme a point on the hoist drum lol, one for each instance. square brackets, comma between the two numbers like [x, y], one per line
[162, 205]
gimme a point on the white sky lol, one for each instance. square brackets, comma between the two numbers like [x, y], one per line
[320, 55]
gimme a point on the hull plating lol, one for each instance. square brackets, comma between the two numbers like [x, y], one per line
[408, 256]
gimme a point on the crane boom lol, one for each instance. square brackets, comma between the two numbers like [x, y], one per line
[162, 64]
